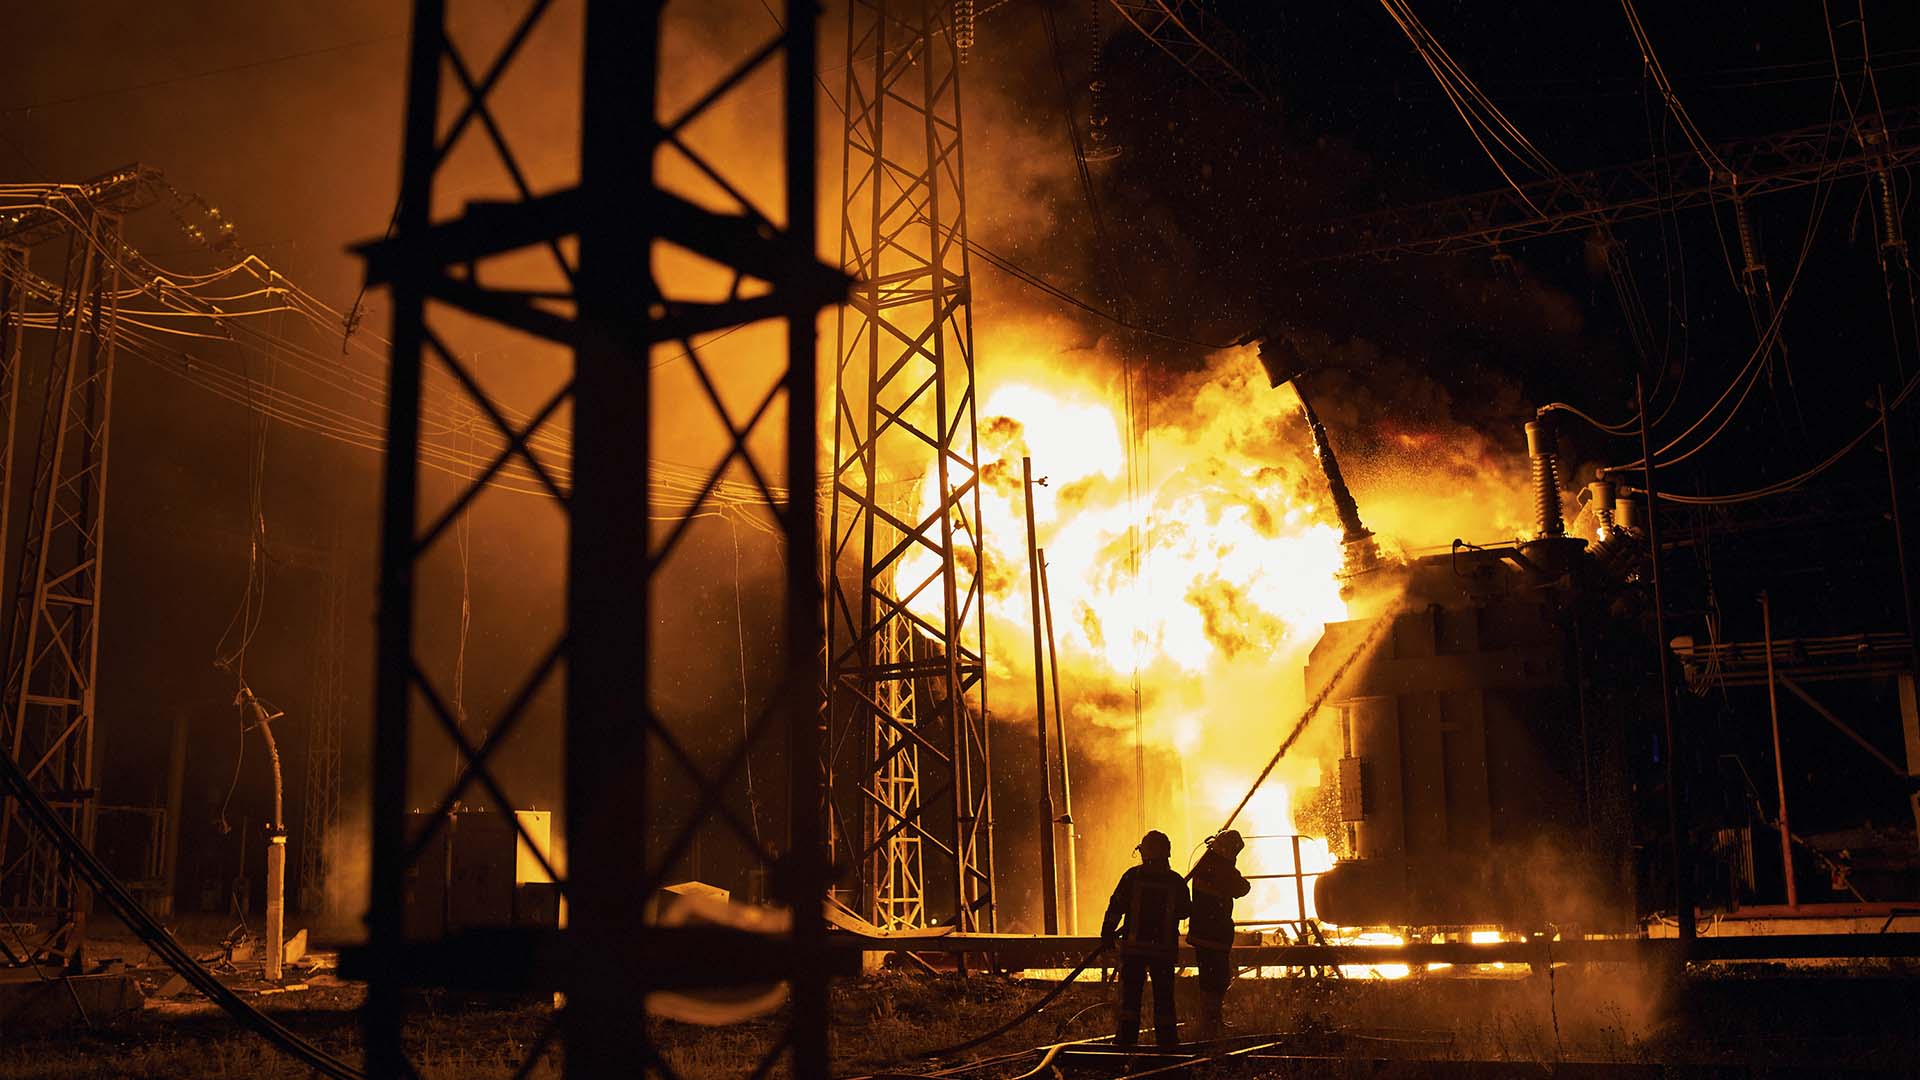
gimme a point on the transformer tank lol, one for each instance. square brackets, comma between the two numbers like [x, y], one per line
[1484, 774]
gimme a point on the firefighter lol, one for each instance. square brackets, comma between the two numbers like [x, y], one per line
[1144, 918]
[1217, 883]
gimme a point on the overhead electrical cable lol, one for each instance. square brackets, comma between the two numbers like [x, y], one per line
[133, 913]
[1792, 482]
[1749, 373]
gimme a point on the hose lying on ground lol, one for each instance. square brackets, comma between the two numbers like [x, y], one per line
[1026, 1014]
[1300, 726]
[105, 885]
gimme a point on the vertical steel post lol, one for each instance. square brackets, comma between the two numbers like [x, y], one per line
[176, 804]
[1682, 863]
[383, 1014]
[807, 876]
[13, 310]
[1899, 529]
[1071, 860]
[1779, 762]
[1049, 879]
[1299, 884]
[610, 601]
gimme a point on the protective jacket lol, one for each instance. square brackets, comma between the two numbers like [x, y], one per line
[1145, 911]
[1217, 883]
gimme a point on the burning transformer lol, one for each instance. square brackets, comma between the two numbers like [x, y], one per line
[1487, 769]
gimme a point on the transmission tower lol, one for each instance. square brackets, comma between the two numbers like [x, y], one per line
[320, 811]
[1569, 202]
[13, 335]
[47, 718]
[592, 297]
[906, 628]
[1199, 41]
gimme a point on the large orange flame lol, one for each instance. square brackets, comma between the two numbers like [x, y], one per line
[1208, 583]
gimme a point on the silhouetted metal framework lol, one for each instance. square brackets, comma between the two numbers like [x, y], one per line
[13, 338]
[1604, 197]
[1197, 40]
[47, 720]
[900, 898]
[609, 312]
[905, 616]
[125, 190]
[320, 807]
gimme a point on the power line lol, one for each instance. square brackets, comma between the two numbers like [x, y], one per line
[208, 73]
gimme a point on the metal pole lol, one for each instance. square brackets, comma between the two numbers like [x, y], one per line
[804, 630]
[1899, 530]
[1049, 880]
[1071, 864]
[610, 702]
[176, 804]
[1299, 883]
[1779, 764]
[1682, 887]
[383, 1015]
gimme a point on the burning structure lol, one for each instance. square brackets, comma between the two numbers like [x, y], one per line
[1489, 743]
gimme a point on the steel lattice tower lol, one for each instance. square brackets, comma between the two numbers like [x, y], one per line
[1197, 40]
[906, 629]
[13, 336]
[47, 723]
[595, 308]
[320, 812]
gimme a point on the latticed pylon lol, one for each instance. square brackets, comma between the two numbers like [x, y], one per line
[1198, 41]
[47, 722]
[898, 867]
[904, 617]
[321, 811]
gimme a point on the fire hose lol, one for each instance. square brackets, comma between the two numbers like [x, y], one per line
[102, 881]
[1326, 690]
[1025, 1015]
[106, 885]
[1313, 709]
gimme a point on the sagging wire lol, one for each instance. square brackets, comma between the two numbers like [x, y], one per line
[1717, 169]
[1792, 482]
[740, 633]
[463, 542]
[1483, 119]
[134, 914]
[1749, 374]
[251, 611]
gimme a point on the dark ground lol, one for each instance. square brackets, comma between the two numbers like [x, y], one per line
[1753, 1016]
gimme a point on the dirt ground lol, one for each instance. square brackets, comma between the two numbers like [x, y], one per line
[1752, 1016]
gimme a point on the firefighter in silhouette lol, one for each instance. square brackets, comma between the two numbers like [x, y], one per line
[1144, 918]
[1217, 883]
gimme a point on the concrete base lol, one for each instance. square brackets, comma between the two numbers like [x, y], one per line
[44, 1000]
